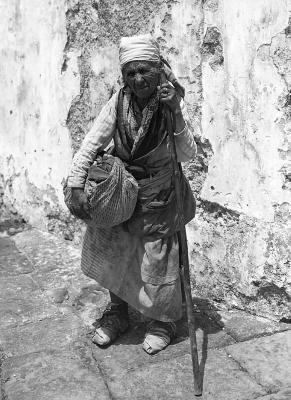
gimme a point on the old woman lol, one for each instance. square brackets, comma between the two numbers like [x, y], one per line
[139, 265]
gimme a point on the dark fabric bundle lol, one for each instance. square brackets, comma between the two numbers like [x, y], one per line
[156, 215]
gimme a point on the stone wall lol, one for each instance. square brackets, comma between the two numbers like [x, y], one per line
[59, 66]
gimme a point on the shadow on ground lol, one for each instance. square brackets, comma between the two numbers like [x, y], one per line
[126, 350]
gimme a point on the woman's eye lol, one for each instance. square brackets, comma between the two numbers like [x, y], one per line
[130, 74]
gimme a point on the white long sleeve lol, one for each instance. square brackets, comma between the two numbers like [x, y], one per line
[102, 132]
[185, 142]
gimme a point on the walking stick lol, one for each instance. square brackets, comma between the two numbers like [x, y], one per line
[184, 257]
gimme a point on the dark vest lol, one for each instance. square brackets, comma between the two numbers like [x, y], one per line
[155, 214]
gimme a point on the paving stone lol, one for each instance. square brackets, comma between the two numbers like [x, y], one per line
[267, 359]
[22, 311]
[57, 264]
[85, 296]
[69, 278]
[243, 326]
[18, 287]
[22, 300]
[223, 380]
[47, 252]
[127, 354]
[54, 267]
[52, 376]
[57, 270]
[50, 333]
[12, 262]
[60, 277]
[284, 394]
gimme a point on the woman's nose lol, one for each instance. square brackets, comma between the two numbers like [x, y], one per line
[138, 79]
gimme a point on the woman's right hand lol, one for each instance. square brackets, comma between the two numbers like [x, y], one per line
[80, 205]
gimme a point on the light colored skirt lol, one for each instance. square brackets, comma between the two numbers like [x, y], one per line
[141, 272]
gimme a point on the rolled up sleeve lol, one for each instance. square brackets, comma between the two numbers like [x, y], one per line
[185, 142]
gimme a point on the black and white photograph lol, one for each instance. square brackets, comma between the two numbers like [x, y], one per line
[145, 199]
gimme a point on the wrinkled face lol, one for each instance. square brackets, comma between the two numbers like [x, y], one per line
[142, 77]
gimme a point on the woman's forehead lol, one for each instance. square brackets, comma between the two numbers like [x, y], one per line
[132, 65]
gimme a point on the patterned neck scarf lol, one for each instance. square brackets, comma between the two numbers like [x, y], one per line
[137, 122]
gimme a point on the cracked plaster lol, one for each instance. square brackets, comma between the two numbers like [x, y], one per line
[232, 58]
[240, 243]
[35, 99]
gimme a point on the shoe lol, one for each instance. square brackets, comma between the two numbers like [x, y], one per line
[113, 323]
[159, 335]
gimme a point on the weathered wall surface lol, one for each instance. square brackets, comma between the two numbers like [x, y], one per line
[241, 239]
[35, 100]
[59, 66]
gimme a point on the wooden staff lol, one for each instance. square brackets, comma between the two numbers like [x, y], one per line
[184, 256]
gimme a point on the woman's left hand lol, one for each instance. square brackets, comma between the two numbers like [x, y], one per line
[169, 96]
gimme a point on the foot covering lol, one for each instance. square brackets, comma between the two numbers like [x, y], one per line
[159, 335]
[113, 323]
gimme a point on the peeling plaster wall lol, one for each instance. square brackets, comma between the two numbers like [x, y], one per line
[59, 66]
[35, 99]
[94, 29]
[240, 243]
[241, 112]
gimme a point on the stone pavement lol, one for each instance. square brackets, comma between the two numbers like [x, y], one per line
[47, 311]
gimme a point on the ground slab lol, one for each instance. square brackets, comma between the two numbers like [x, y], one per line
[48, 310]
[243, 326]
[266, 359]
[284, 394]
[52, 375]
[222, 380]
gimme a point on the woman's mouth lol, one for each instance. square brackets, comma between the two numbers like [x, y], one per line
[142, 88]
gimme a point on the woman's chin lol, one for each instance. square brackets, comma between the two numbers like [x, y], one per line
[144, 93]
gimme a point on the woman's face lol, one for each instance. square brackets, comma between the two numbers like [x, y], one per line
[142, 77]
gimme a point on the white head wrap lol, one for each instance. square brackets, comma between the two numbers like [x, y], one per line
[146, 48]
[141, 47]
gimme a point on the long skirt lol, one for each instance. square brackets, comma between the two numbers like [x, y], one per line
[142, 272]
